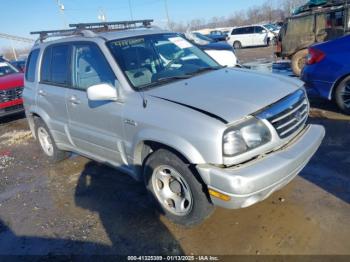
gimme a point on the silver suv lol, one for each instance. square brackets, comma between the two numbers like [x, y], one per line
[150, 103]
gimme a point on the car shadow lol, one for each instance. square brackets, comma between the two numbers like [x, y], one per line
[13, 245]
[11, 118]
[329, 168]
[324, 104]
[125, 211]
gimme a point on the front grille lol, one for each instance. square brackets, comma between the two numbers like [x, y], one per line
[10, 94]
[288, 115]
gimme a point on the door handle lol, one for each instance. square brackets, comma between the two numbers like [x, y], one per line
[42, 92]
[74, 100]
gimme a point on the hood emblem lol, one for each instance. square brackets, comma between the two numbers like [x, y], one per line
[298, 116]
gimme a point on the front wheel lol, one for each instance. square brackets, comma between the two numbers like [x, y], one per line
[175, 189]
[342, 95]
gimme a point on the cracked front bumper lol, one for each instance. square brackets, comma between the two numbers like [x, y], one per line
[254, 181]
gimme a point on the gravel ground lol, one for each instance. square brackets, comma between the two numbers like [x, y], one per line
[80, 207]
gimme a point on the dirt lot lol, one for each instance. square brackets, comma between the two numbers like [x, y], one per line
[82, 207]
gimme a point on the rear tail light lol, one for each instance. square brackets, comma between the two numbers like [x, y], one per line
[315, 56]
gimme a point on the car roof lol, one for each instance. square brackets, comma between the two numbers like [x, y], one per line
[244, 26]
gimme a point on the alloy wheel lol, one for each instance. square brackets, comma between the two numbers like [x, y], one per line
[45, 141]
[172, 191]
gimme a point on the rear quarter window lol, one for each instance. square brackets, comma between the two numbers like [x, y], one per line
[31, 65]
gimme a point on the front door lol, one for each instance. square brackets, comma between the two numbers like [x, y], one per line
[260, 36]
[95, 127]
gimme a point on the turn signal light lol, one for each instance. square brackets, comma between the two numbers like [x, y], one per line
[219, 195]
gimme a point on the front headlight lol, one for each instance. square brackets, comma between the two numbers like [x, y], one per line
[245, 136]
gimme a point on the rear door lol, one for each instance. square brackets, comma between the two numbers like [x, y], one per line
[299, 34]
[51, 91]
[242, 35]
[95, 127]
[248, 35]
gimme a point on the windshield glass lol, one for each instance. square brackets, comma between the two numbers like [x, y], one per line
[270, 27]
[198, 38]
[151, 60]
[6, 69]
[203, 37]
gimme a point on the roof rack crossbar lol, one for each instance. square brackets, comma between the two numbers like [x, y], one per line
[88, 29]
[55, 33]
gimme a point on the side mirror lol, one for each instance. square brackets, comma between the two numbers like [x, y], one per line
[102, 92]
[263, 31]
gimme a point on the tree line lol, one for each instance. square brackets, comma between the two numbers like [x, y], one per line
[269, 11]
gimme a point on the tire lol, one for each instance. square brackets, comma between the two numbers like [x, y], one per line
[47, 143]
[186, 202]
[237, 45]
[342, 95]
[299, 61]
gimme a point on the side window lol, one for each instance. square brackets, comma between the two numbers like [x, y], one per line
[55, 65]
[60, 64]
[249, 30]
[90, 67]
[31, 65]
[258, 29]
[235, 32]
[45, 66]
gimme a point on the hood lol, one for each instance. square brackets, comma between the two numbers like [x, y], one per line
[217, 46]
[11, 80]
[229, 94]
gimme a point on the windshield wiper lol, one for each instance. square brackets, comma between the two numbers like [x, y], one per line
[163, 80]
[205, 69]
[169, 78]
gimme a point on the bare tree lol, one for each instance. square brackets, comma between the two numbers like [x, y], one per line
[8, 52]
[269, 11]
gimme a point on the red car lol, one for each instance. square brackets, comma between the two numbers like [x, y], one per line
[11, 88]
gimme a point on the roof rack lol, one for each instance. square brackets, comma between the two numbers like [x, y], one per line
[112, 26]
[55, 33]
[88, 29]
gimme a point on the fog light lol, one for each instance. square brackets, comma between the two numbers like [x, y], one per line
[219, 195]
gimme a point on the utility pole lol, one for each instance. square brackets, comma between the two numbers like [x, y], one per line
[130, 8]
[102, 15]
[167, 13]
[14, 50]
[61, 9]
[13, 38]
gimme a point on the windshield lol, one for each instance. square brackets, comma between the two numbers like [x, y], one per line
[270, 27]
[203, 37]
[6, 69]
[151, 60]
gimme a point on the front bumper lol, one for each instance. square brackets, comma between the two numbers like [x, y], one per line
[258, 179]
[11, 110]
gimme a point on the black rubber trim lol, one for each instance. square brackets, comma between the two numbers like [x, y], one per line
[196, 109]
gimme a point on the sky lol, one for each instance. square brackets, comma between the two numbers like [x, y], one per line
[19, 17]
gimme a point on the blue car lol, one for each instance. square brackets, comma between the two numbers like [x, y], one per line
[327, 73]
